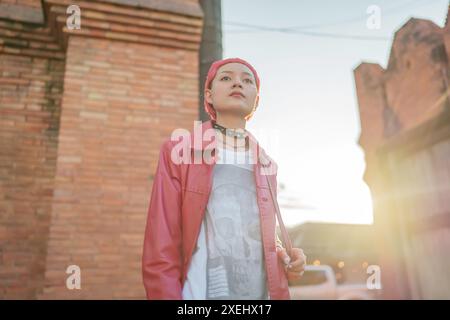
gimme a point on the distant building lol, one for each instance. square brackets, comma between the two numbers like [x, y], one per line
[405, 133]
[348, 248]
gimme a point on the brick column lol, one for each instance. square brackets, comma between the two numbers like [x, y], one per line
[86, 112]
[31, 82]
[393, 102]
[131, 78]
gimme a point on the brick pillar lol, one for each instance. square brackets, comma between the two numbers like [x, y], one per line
[392, 101]
[31, 74]
[98, 104]
[131, 78]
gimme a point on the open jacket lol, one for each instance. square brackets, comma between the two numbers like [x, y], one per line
[179, 197]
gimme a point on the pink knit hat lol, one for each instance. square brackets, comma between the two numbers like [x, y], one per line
[212, 73]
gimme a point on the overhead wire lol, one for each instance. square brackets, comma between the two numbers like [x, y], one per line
[303, 29]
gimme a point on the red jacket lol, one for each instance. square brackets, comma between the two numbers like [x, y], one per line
[178, 201]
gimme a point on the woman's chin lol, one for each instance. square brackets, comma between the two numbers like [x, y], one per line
[239, 109]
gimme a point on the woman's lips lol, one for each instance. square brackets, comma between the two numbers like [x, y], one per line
[236, 95]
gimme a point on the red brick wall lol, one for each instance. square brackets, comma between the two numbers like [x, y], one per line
[415, 98]
[403, 117]
[31, 74]
[118, 105]
[27, 3]
[29, 118]
[412, 84]
[31, 3]
[27, 11]
[82, 116]
[368, 79]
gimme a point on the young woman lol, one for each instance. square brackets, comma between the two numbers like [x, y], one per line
[210, 230]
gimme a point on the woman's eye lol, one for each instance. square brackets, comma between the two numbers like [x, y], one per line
[227, 78]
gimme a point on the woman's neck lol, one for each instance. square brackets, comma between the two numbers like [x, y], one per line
[230, 122]
[233, 142]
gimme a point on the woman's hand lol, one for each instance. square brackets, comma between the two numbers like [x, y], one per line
[295, 265]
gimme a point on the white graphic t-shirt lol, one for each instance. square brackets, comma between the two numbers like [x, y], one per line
[229, 260]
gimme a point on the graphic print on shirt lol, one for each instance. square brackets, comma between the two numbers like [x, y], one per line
[235, 263]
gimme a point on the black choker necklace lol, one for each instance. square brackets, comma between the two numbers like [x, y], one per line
[230, 132]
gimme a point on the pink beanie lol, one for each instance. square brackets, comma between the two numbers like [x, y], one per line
[212, 73]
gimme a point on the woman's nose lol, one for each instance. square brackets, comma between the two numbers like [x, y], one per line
[237, 82]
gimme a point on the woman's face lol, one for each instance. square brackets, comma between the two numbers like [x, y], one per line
[233, 90]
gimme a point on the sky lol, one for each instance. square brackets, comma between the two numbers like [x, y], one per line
[308, 120]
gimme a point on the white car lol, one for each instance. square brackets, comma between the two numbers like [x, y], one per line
[319, 283]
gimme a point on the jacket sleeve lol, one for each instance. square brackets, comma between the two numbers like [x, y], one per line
[162, 253]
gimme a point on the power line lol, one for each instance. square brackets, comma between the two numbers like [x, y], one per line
[318, 34]
[328, 35]
[385, 12]
[301, 29]
[342, 36]
[320, 25]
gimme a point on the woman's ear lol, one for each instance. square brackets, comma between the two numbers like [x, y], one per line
[247, 117]
[208, 96]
